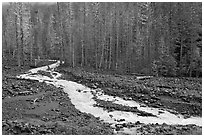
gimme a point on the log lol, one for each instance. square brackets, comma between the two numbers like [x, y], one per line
[11, 77]
[144, 77]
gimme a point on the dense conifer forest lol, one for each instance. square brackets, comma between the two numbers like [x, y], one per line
[162, 39]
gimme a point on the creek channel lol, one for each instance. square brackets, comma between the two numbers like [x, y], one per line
[84, 102]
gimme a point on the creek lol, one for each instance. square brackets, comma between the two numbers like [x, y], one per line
[84, 102]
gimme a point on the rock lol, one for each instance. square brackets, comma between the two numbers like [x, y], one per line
[124, 125]
[93, 86]
[137, 123]
[118, 126]
[146, 101]
[143, 105]
[121, 120]
[156, 124]
[160, 112]
[184, 128]
[44, 119]
[164, 124]
[130, 124]
[186, 116]
[152, 101]
[117, 129]
[98, 118]
[155, 97]
[184, 112]
[57, 110]
[78, 90]
[64, 119]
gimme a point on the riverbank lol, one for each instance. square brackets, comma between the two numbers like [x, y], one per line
[183, 95]
[31, 107]
[179, 96]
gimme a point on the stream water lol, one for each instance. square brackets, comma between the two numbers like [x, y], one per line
[84, 102]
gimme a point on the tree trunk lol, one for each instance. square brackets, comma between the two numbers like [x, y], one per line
[96, 46]
[181, 52]
[103, 42]
[18, 40]
[102, 54]
[110, 49]
[22, 35]
[83, 36]
[61, 32]
[70, 36]
[117, 39]
[31, 50]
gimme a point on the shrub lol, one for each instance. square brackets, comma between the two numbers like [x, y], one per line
[164, 66]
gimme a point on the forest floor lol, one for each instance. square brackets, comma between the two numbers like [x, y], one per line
[30, 107]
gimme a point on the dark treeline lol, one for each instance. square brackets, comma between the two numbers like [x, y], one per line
[150, 38]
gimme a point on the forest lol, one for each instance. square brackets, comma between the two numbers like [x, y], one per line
[159, 39]
[95, 68]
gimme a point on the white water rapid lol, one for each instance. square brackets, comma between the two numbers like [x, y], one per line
[84, 102]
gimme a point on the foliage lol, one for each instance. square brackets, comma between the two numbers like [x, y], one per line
[165, 66]
[124, 37]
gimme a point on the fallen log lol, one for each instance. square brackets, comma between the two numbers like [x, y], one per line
[12, 77]
[25, 92]
[143, 77]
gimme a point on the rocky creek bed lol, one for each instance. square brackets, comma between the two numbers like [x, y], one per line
[32, 107]
[46, 107]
